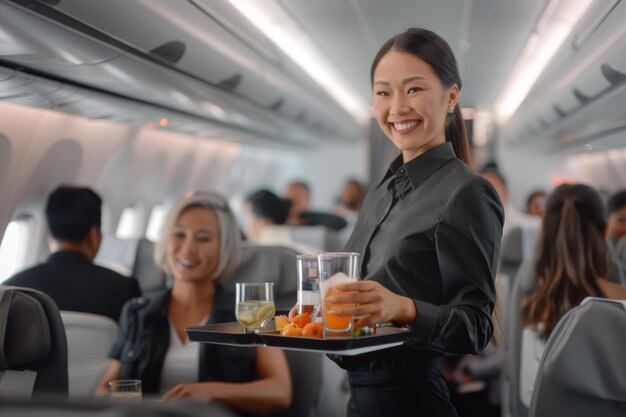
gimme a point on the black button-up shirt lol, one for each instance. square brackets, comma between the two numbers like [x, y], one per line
[430, 231]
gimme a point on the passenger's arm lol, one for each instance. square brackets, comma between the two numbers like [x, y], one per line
[271, 392]
[112, 373]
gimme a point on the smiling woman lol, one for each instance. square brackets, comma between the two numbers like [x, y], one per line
[437, 244]
[199, 246]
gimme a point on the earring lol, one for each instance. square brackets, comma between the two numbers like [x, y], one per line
[451, 109]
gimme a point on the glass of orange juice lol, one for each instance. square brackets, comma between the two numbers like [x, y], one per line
[336, 268]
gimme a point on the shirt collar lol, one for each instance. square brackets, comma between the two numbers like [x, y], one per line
[423, 166]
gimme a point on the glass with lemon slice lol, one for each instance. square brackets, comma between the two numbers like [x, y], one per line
[254, 304]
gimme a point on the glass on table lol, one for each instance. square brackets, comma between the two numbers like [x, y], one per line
[308, 283]
[336, 268]
[254, 304]
[124, 390]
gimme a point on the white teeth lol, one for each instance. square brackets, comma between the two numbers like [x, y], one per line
[405, 126]
[187, 262]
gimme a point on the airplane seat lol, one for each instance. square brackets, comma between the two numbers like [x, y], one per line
[316, 236]
[145, 270]
[617, 271]
[523, 285]
[33, 348]
[517, 246]
[306, 379]
[261, 263]
[94, 407]
[582, 369]
[620, 251]
[117, 254]
[89, 340]
[334, 392]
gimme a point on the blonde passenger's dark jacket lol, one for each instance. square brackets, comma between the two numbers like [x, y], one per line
[144, 339]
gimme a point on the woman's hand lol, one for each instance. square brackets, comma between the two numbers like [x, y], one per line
[374, 304]
[196, 392]
[293, 312]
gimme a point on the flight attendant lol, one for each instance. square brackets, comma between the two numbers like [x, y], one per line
[429, 233]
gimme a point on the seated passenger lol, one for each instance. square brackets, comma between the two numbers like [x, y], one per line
[263, 210]
[512, 217]
[199, 246]
[535, 203]
[571, 263]
[299, 193]
[69, 275]
[350, 198]
[616, 221]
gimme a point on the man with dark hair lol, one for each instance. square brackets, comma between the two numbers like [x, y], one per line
[69, 275]
[616, 220]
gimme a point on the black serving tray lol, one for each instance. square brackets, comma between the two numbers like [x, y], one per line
[233, 334]
[223, 334]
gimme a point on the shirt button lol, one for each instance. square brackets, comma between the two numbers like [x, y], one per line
[401, 196]
[130, 354]
[401, 170]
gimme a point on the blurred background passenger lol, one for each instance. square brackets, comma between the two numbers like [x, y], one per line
[350, 197]
[69, 275]
[199, 246]
[571, 263]
[512, 217]
[535, 203]
[265, 215]
[616, 220]
[299, 193]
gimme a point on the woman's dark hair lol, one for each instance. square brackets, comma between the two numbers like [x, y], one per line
[266, 204]
[571, 256]
[432, 49]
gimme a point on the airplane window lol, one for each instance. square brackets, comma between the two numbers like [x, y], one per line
[156, 221]
[12, 248]
[126, 226]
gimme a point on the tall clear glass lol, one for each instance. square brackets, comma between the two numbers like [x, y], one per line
[254, 305]
[335, 268]
[308, 283]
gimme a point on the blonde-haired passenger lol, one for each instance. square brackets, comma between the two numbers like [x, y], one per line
[199, 247]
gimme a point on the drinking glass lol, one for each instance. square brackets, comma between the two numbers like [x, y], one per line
[124, 390]
[308, 283]
[336, 268]
[254, 304]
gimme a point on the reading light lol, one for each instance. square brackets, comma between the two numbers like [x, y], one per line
[554, 26]
[269, 17]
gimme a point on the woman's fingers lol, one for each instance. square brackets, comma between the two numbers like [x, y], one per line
[176, 392]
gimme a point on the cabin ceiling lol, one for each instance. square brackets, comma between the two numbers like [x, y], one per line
[485, 35]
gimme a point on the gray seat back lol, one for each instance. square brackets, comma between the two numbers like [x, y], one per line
[316, 236]
[306, 379]
[583, 369]
[32, 340]
[117, 254]
[89, 340]
[261, 263]
[523, 285]
[148, 274]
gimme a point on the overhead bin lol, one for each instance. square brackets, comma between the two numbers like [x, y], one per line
[211, 52]
[584, 93]
[128, 73]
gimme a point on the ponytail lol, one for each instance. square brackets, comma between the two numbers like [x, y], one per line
[570, 257]
[456, 133]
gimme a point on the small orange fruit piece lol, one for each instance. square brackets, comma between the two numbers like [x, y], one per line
[313, 330]
[301, 320]
[281, 321]
[291, 330]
